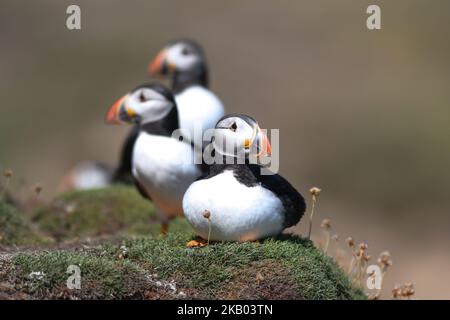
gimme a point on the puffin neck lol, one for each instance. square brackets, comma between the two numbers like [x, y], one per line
[217, 167]
[163, 127]
[184, 79]
[247, 174]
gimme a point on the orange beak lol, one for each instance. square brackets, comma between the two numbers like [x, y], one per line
[265, 147]
[159, 64]
[113, 115]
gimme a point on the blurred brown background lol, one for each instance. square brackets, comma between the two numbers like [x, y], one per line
[363, 114]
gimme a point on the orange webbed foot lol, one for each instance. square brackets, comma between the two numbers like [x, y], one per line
[198, 242]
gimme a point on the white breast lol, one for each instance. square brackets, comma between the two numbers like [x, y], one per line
[198, 106]
[164, 167]
[238, 212]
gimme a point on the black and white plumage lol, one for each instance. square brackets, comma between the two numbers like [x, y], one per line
[243, 204]
[184, 62]
[162, 165]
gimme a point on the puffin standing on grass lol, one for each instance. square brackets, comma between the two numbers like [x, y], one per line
[162, 165]
[235, 201]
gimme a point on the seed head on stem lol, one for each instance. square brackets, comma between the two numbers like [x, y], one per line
[315, 192]
[37, 190]
[207, 216]
[404, 291]
[326, 225]
[350, 242]
[384, 261]
[396, 292]
[408, 290]
[8, 173]
[359, 261]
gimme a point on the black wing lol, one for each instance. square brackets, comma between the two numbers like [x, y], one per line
[292, 200]
[123, 172]
[141, 189]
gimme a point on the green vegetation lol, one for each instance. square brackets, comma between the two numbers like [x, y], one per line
[14, 229]
[155, 267]
[79, 214]
[125, 264]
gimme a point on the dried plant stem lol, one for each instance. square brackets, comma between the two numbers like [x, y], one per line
[327, 241]
[314, 199]
[209, 231]
[5, 187]
[352, 265]
[207, 216]
[362, 268]
[381, 284]
[37, 192]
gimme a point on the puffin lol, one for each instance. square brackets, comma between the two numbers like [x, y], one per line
[184, 62]
[236, 200]
[162, 164]
[87, 175]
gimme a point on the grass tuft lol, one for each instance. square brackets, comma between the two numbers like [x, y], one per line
[14, 229]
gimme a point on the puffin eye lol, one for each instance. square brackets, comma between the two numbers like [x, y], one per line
[142, 97]
[233, 127]
[185, 51]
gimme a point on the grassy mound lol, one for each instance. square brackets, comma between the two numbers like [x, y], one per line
[111, 210]
[14, 229]
[154, 267]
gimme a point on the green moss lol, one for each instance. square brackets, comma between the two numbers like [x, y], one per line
[149, 267]
[96, 212]
[14, 229]
[208, 269]
[302, 270]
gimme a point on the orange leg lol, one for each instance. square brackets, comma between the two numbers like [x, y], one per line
[164, 228]
[198, 242]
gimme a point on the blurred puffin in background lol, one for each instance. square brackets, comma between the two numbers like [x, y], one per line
[235, 198]
[184, 62]
[87, 175]
[162, 166]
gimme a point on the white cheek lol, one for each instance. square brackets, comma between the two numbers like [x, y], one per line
[183, 62]
[154, 111]
[245, 130]
[136, 106]
[229, 143]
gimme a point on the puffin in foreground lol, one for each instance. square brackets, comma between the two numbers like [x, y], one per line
[235, 201]
[162, 165]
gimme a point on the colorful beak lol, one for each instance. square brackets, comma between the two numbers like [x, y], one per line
[118, 113]
[265, 149]
[159, 65]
